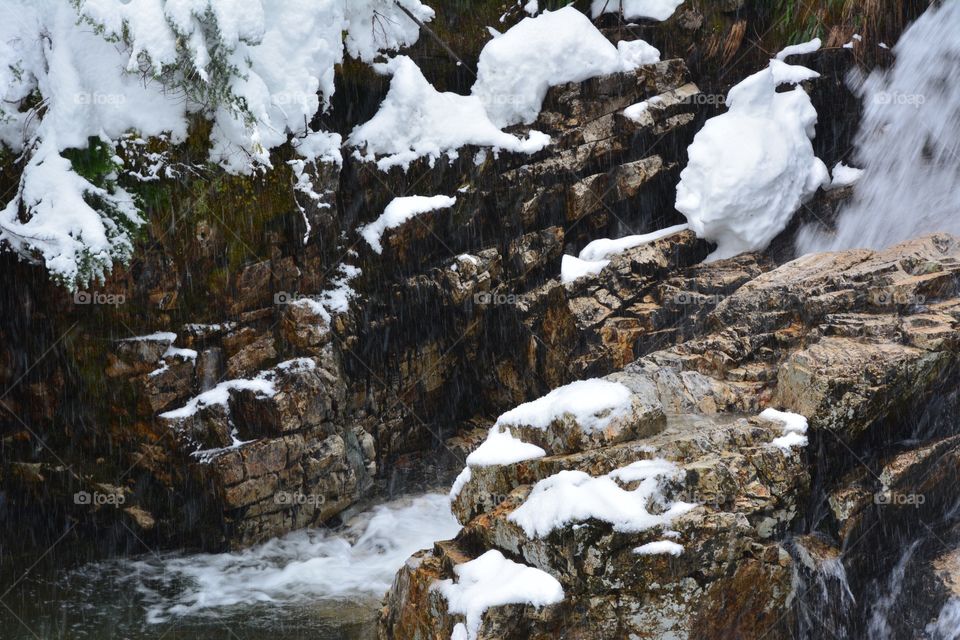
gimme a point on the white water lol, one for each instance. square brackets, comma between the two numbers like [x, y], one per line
[356, 563]
[908, 143]
[879, 626]
[947, 624]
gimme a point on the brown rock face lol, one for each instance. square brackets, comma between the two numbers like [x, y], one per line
[853, 341]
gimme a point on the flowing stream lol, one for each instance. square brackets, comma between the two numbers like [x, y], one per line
[908, 143]
[317, 584]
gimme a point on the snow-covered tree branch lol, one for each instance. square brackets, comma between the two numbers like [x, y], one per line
[79, 70]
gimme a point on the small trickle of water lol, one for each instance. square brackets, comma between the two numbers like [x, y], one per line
[878, 627]
[908, 143]
[827, 600]
[947, 624]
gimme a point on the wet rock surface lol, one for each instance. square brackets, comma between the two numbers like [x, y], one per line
[856, 341]
[300, 410]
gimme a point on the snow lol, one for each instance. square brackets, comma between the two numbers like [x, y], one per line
[635, 111]
[752, 167]
[514, 71]
[399, 211]
[516, 68]
[636, 53]
[492, 580]
[502, 448]
[790, 440]
[605, 248]
[219, 395]
[574, 496]
[844, 176]
[644, 470]
[659, 547]
[105, 69]
[262, 384]
[177, 352]
[658, 10]
[856, 38]
[572, 268]
[799, 49]
[416, 120]
[593, 403]
[335, 299]
[794, 428]
[460, 482]
[158, 336]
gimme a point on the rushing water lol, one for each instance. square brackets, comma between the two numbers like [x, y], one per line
[313, 584]
[908, 143]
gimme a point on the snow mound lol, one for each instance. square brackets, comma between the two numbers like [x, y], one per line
[799, 49]
[575, 496]
[514, 72]
[572, 268]
[844, 176]
[502, 448]
[516, 68]
[659, 547]
[399, 211]
[658, 10]
[492, 580]
[752, 167]
[604, 248]
[416, 120]
[593, 403]
[794, 428]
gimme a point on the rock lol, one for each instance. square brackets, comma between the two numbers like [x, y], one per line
[730, 570]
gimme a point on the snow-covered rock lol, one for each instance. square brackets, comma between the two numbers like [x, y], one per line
[752, 167]
[574, 496]
[582, 415]
[399, 211]
[105, 68]
[492, 580]
[794, 428]
[416, 120]
[516, 68]
[658, 10]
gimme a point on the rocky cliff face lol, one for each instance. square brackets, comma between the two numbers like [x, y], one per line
[260, 369]
[249, 394]
[863, 343]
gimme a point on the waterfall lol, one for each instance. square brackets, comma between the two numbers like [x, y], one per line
[878, 624]
[908, 143]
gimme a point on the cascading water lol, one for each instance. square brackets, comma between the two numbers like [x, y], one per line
[878, 626]
[908, 143]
